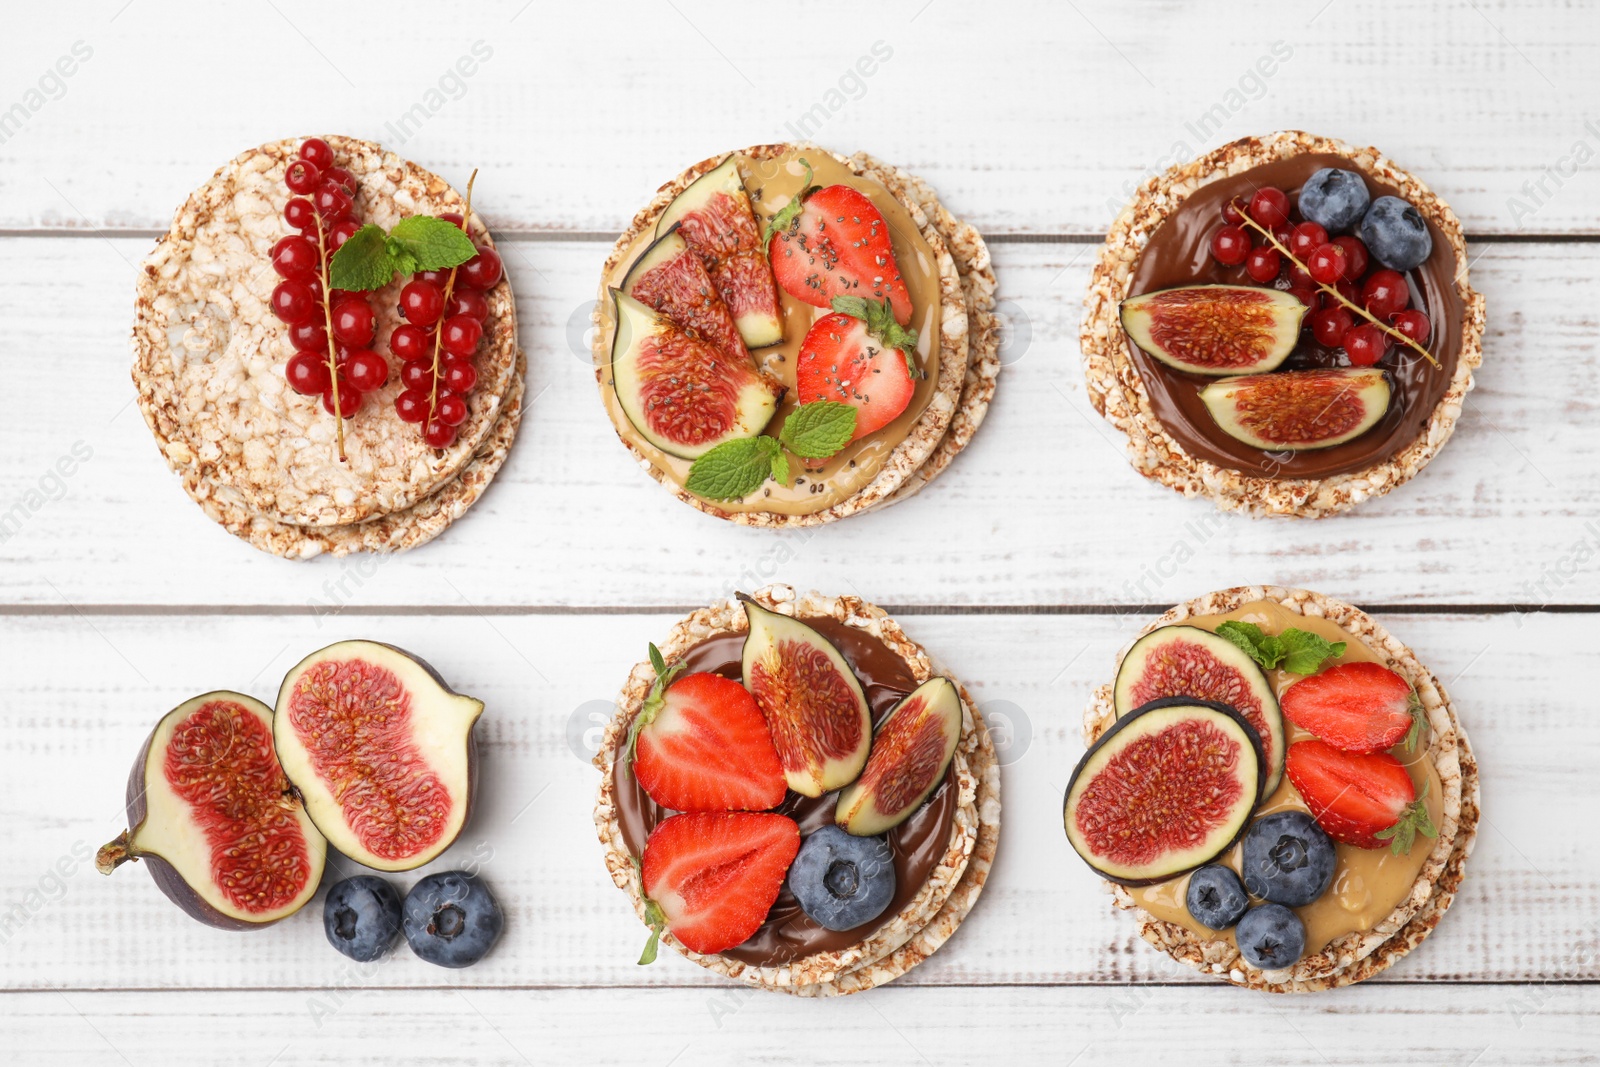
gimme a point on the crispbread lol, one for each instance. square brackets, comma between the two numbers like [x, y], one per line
[927, 920]
[1118, 392]
[1357, 955]
[924, 436]
[219, 406]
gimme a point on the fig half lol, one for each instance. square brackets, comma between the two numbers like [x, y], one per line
[820, 721]
[1215, 329]
[1168, 788]
[1186, 661]
[670, 277]
[1299, 410]
[215, 819]
[910, 753]
[380, 749]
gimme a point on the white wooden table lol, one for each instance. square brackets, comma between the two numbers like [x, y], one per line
[1025, 568]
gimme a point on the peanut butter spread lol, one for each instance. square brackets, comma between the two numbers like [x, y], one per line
[1367, 883]
[772, 183]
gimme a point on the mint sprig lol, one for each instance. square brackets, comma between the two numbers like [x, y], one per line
[371, 258]
[818, 430]
[1298, 651]
[735, 469]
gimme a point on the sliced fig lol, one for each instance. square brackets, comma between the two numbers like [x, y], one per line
[212, 814]
[910, 752]
[1215, 329]
[1168, 788]
[715, 218]
[820, 721]
[669, 277]
[1299, 410]
[1186, 661]
[684, 395]
[381, 750]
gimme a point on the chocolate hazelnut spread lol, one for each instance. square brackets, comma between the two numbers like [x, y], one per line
[1179, 253]
[918, 843]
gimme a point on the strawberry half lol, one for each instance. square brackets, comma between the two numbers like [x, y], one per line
[859, 356]
[711, 877]
[700, 743]
[833, 241]
[1363, 799]
[1359, 707]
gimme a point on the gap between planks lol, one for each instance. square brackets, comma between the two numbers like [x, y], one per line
[380, 610]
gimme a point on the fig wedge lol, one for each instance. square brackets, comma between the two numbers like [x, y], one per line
[669, 277]
[1168, 788]
[381, 750]
[820, 721]
[1299, 410]
[215, 819]
[1215, 329]
[684, 395]
[910, 753]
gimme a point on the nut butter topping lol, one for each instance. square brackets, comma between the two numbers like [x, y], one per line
[1368, 884]
[772, 183]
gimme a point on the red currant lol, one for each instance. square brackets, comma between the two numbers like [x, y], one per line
[441, 278]
[299, 214]
[349, 401]
[417, 374]
[1349, 291]
[460, 376]
[302, 177]
[1307, 296]
[292, 302]
[482, 271]
[353, 322]
[1299, 279]
[1414, 324]
[452, 410]
[454, 218]
[309, 337]
[421, 303]
[368, 371]
[340, 177]
[307, 374]
[1355, 256]
[1385, 293]
[1330, 325]
[1262, 264]
[1306, 238]
[411, 405]
[1270, 207]
[1229, 246]
[1365, 344]
[1281, 234]
[294, 257]
[317, 152]
[467, 302]
[438, 433]
[332, 202]
[460, 335]
[342, 232]
[1326, 264]
[411, 342]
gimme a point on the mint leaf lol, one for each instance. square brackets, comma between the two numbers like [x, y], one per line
[734, 469]
[404, 261]
[780, 467]
[1304, 652]
[363, 262]
[1264, 648]
[819, 429]
[434, 243]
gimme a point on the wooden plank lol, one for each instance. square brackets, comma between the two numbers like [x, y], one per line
[78, 696]
[1043, 508]
[1040, 118]
[1086, 1027]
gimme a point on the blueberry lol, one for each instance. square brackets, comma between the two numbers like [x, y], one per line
[1334, 199]
[1270, 937]
[842, 881]
[1216, 898]
[1396, 233]
[361, 917]
[1287, 859]
[452, 919]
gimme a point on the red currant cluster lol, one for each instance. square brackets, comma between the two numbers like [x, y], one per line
[1317, 259]
[321, 211]
[444, 312]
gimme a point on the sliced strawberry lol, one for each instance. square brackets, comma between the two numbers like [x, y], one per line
[1363, 799]
[711, 877]
[702, 744]
[833, 241]
[859, 356]
[1359, 707]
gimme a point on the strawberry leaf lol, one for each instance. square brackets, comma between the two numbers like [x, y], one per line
[652, 703]
[1305, 652]
[734, 469]
[881, 326]
[656, 661]
[1419, 719]
[819, 429]
[790, 211]
[435, 244]
[1413, 821]
[363, 262]
[653, 918]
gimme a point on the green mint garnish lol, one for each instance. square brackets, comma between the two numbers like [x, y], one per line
[371, 258]
[819, 429]
[1298, 651]
[734, 469]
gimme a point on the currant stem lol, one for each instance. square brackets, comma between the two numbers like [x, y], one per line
[449, 287]
[327, 319]
[1332, 291]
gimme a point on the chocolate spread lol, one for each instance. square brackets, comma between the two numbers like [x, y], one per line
[918, 843]
[1179, 253]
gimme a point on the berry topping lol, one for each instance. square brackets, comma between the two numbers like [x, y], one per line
[1270, 937]
[1287, 859]
[1414, 324]
[1385, 294]
[1215, 897]
[859, 356]
[421, 303]
[460, 335]
[295, 257]
[711, 877]
[438, 434]
[451, 409]
[293, 302]
[1326, 264]
[460, 376]
[1365, 344]
[302, 177]
[1357, 707]
[349, 401]
[353, 322]
[842, 881]
[411, 405]
[331, 201]
[1334, 199]
[451, 919]
[1309, 297]
[1270, 207]
[1355, 257]
[1366, 800]
[1230, 213]
[1330, 325]
[417, 374]
[482, 271]
[1396, 233]
[1263, 263]
[366, 371]
[361, 917]
[1306, 238]
[299, 214]
[467, 302]
[307, 373]
[1230, 245]
[317, 152]
[831, 242]
[309, 337]
[409, 342]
